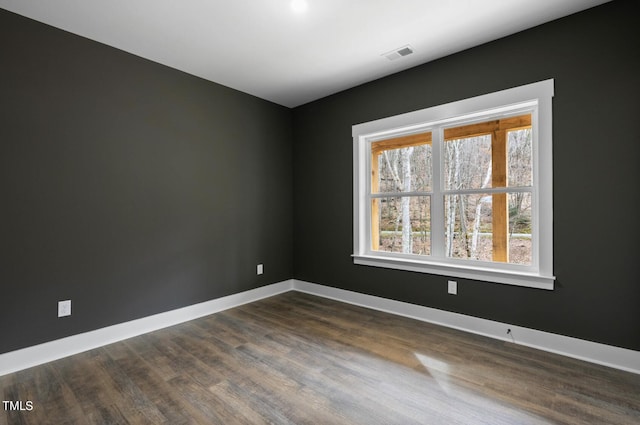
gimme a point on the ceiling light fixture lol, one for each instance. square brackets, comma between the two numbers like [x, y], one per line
[299, 6]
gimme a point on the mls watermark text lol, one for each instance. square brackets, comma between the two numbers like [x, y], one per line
[23, 406]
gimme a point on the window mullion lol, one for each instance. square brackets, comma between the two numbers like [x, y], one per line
[437, 200]
[399, 194]
[489, 190]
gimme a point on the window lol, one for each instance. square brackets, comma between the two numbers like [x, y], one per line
[462, 189]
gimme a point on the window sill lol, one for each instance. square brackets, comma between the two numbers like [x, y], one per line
[507, 277]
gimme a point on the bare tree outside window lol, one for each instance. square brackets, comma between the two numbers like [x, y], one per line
[404, 221]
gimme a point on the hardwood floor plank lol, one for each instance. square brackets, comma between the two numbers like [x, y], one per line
[299, 359]
[99, 397]
[161, 392]
[49, 389]
[236, 405]
[131, 401]
[143, 347]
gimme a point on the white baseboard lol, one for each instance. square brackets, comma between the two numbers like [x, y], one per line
[603, 354]
[607, 355]
[49, 351]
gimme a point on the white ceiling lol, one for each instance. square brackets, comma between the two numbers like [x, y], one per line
[265, 48]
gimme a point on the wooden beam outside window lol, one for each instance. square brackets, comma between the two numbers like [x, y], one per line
[488, 127]
[375, 209]
[500, 207]
[401, 142]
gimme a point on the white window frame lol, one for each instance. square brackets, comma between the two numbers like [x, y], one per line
[535, 98]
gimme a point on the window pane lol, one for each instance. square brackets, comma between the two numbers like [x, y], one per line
[467, 163]
[470, 227]
[404, 224]
[405, 169]
[519, 158]
[520, 228]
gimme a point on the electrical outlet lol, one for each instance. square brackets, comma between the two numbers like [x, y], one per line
[260, 269]
[64, 308]
[453, 287]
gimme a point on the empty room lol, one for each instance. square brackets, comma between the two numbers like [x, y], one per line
[319, 212]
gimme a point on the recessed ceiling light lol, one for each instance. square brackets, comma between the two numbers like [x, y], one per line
[299, 6]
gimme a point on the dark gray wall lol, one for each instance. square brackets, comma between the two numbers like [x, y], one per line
[594, 58]
[129, 187]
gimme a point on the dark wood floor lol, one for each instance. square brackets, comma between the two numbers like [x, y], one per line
[299, 359]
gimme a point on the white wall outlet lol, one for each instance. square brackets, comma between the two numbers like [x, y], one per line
[453, 287]
[260, 269]
[64, 308]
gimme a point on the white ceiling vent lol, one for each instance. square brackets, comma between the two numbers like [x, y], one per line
[399, 52]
